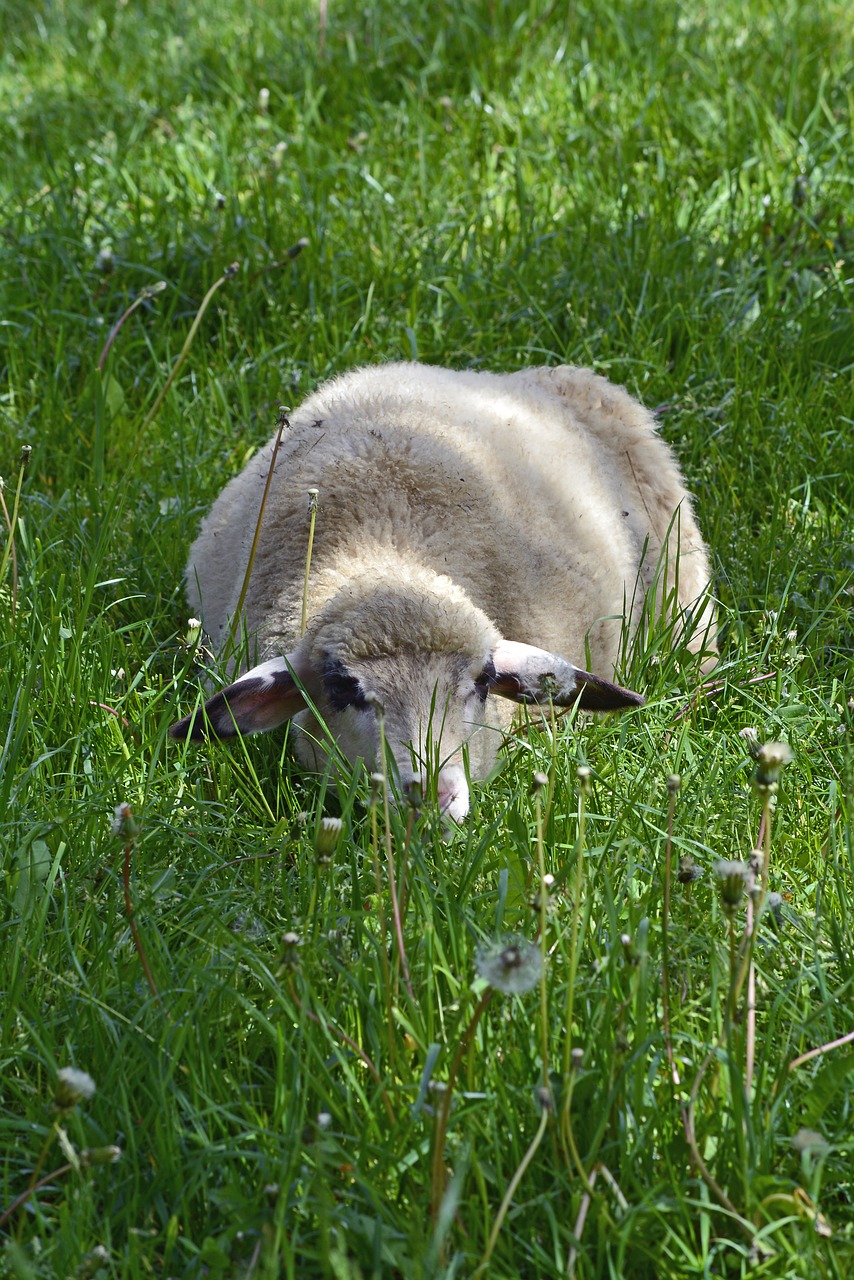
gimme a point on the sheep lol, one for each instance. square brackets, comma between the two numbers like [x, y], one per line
[473, 529]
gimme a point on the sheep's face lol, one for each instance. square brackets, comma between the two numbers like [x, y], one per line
[410, 659]
[432, 709]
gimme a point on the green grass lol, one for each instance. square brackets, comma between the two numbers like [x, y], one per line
[662, 191]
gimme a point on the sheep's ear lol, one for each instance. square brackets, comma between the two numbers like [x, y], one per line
[527, 674]
[261, 699]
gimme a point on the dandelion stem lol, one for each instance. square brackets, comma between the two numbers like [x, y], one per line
[312, 510]
[543, 903]
[9, 551]
[672, 788]
[568, 1072]
[342, 1035]
[749, 937]
[752, 920]
[568, 1135]
[137, 941]
[34, 1187]
[586, 1200]
[576, 915]
[699, 1163]
[382, 922]
[235, 621]
[392, 881]
[144, 294]
[228, 274]
[822, 1048]
[437, 1180]
[510, 1192]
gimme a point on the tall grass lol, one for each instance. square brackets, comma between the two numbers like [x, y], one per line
[306, 1073]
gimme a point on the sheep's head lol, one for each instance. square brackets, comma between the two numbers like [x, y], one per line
[419, 669]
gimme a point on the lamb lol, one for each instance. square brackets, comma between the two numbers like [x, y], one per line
[474, 528]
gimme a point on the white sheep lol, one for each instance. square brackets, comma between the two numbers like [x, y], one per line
[472, 528]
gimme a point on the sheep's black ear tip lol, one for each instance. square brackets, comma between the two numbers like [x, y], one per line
[191, 727]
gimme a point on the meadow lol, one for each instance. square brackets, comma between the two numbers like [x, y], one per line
[605, 1028]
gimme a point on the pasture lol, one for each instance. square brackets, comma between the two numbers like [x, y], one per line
[579, 1037]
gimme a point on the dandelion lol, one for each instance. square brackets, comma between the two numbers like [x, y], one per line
[733, 878]
[751, 740]
[545, 1100]
[542, 896]
[674, 783]
[511, 965]
[377, 785]
[93, 1263]
[414, 792]
[584, 776]
[538, 781]
[100, 1155]
[771, 760]
[124, 824]
[291, 943]
[688, 870]
[774, 903]
[72, 1086]
[326, 840]
[263, 101]
[808, 1140]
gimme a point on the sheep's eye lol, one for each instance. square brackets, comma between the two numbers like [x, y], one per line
[342, 689]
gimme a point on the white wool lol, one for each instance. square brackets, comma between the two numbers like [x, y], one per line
[455, 509]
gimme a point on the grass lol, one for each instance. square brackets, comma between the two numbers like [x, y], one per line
[660, 191]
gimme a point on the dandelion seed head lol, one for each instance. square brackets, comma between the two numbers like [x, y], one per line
[72, 1086]
[100, 1155]
[688, 870]
[326, 840]
[545, 1099]
[809, 1140]
[123, 823]
[733, 878]
[414, 792]
[774, 902]
[512, 965]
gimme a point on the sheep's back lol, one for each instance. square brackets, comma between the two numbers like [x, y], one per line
[535, 491]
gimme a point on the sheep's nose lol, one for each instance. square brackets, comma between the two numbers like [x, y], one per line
[416, 788]
[446, 794]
